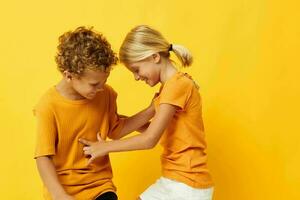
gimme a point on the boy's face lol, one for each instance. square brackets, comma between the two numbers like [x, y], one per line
[89, 83]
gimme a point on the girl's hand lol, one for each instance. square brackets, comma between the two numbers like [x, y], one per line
[94, 149]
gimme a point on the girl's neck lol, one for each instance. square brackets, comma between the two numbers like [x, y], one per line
[167, 71]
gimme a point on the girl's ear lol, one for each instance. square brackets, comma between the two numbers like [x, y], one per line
[156, 57]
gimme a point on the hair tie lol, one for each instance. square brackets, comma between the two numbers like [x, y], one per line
[170, 48]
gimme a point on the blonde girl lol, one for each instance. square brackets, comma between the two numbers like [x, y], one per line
[177, 122]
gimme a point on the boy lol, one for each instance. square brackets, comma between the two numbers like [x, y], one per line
[81, 105]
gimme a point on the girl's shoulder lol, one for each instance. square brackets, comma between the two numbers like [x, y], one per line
[181, 81]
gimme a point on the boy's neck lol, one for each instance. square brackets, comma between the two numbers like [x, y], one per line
[66, 90]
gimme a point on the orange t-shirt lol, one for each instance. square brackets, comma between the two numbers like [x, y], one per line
[60, 123]
[184, 158]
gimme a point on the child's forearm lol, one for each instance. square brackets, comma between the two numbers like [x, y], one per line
[48, 174]
[137, 121]
[137, 142]
[148, 139]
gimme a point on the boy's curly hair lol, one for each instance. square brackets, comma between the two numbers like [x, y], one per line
[84, 48]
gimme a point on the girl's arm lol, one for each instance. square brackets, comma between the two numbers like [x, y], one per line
[146, 140]
[136, 122]
[48, 174]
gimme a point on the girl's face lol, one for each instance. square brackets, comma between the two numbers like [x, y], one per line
[89, 83]
[147, 70]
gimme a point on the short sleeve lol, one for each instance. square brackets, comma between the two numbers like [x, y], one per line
[116, 122]
[46, 131]
[177, 92]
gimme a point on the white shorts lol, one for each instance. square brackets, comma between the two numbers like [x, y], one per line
[167, 189]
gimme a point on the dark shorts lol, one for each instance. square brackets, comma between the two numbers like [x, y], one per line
[107, 196]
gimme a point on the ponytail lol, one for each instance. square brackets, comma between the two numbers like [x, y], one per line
[183, 54]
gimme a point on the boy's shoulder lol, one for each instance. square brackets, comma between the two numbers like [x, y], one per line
[109, 90]
[48, 95]
[46, 100]
[107, 87]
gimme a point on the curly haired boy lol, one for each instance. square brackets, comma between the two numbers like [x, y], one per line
[80, 105]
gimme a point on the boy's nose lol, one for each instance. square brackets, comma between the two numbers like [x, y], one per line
[137, 77]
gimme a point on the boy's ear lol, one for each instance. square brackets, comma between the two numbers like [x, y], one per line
[156, 57]
[67, 75]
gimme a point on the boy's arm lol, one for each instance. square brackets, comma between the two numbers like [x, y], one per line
[142, 141]
[144, 128]
[48, 174]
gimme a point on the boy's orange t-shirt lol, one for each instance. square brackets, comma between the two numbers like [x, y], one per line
[184, 157]
[60, 123]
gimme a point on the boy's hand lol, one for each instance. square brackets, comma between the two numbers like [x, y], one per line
[94, 149]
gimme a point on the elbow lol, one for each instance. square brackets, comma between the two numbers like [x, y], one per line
[150, 143]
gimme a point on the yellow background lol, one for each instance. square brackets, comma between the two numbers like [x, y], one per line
[246, 62]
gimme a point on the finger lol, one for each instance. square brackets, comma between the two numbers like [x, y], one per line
[85, 142]
[91, 160]
[86, 148]
[99, 137]
[87, 153]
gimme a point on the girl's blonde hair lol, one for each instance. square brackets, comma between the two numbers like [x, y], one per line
[144, 41]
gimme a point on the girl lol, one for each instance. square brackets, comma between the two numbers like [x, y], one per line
[177, 122]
